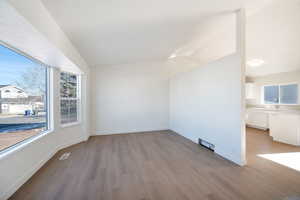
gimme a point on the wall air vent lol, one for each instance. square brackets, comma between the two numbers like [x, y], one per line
[206, 144]
[64, 156]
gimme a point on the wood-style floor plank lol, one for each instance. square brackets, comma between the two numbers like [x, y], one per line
[162, 166]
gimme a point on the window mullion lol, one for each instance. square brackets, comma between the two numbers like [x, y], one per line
[70, 96]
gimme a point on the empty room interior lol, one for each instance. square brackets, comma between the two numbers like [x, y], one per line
[150, 100]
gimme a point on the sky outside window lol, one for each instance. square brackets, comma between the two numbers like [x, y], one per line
[23, 98]
[13, 65]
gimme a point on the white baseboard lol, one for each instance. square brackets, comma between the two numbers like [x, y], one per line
[126, 132]
[22, 180]
[221, 152]
[258, 127]
[26, 176]
[230, 156]
[71, 144]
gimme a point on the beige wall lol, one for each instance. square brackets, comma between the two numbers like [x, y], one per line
[280, 78]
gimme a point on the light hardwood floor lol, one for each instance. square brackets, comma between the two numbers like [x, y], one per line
[162, 166]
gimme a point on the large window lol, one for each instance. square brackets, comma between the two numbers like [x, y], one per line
[23, 98]
[286, 94]
[69, 98]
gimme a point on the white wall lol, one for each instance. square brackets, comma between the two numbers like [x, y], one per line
[138, 97]
[207, 103]
[19, 164]
[130, 98]
[279, 78]
[39, 17]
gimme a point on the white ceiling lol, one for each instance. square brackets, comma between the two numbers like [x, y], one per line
[117, 32]
[273, 35]
[130, 31]
[16, 31]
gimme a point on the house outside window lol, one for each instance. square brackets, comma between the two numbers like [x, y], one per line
[23, 98]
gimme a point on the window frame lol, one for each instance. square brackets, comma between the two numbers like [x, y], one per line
[49, 94]
[279, 96]
[78, 94]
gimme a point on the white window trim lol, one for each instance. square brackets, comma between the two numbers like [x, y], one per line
[280, 104]
[70, 124]
[20, 145]
[79, 120]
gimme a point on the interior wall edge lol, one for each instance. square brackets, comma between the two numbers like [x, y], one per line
[231, 157]
[99, 133]
[219, 151]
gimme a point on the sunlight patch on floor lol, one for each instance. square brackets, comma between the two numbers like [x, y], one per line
[291, 160]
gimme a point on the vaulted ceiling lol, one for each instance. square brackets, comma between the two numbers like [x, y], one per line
[119, 32]
[273, 35]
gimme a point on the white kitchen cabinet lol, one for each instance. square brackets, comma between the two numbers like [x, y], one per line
[249, 90]
[257, 119]
[285, 127]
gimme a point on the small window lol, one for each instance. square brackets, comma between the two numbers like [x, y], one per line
[7, 91]
[271, 94]
[20, 92]
[281, 94]
[289, 94]
[69, 98]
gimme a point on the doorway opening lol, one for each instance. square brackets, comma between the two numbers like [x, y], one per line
[273, 86]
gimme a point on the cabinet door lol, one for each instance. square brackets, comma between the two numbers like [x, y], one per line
[249, 90]
[258, 119]
[285, 128]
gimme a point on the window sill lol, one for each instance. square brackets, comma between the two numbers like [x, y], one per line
[70, 124]
[19, 146]
[266, 104]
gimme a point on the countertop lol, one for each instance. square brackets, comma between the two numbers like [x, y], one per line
[274, 111]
